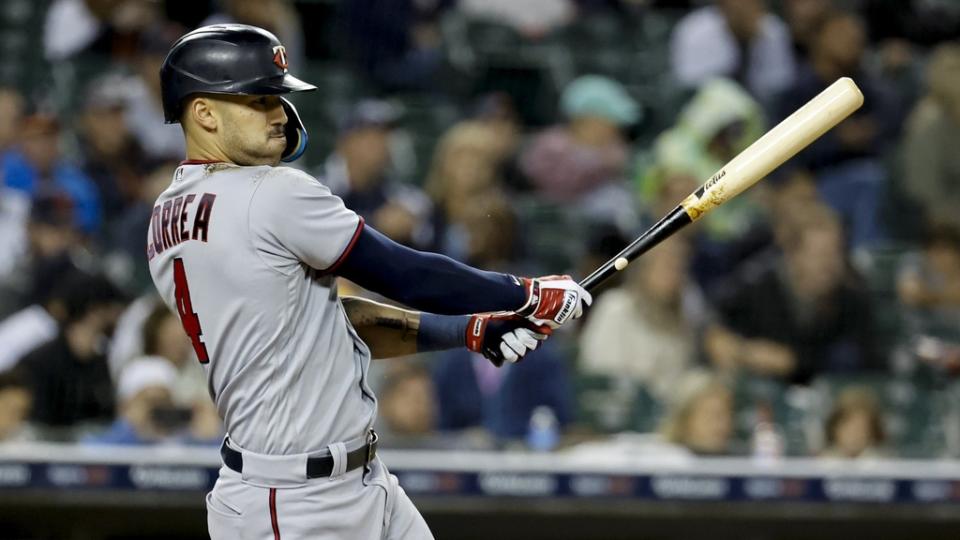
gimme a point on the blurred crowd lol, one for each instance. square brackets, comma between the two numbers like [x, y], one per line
[529, 137]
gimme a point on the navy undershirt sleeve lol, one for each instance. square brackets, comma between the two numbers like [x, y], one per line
[441, 332]
[427, 281]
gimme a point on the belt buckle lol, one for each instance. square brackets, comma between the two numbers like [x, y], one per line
[371, 444]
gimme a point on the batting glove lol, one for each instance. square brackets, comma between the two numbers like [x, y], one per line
[553, 300]
[503, 336]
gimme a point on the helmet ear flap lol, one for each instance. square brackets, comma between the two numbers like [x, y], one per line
[295, 131]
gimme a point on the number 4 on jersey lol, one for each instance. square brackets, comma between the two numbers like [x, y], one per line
[191, 323]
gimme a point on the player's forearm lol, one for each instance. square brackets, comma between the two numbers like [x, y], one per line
[390, 331]
[427, 281]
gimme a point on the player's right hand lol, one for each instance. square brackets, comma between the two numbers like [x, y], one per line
[503, 336]
[553, 300]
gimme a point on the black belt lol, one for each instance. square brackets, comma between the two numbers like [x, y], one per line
[317, 467]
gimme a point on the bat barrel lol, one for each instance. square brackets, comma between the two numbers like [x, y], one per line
[781, 143]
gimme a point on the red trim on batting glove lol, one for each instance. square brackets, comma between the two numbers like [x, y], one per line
[475, 330]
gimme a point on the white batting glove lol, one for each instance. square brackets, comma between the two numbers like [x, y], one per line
[516, 344]
[553, 300]
[503, 336]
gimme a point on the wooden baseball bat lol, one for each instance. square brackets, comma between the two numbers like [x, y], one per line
[767, 153]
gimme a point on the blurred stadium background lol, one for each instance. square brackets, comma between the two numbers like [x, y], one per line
[787, 369]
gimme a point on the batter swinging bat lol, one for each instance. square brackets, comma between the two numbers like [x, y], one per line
[763, 156]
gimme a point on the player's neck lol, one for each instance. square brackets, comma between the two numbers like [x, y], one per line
[204, 151]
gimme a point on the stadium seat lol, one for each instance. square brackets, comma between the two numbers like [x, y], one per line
[615, 404]
[790, 407]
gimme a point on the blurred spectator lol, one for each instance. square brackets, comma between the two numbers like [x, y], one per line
[68, 376]
[855, 428]
[794, 190]
[464, 168]
[408, 408]
[15, 404]
[532, 18]
[932, 281]
[923, 22]
[54, 250]
[931, 167]
[648, 330]
[845, 160]
[278, 16]
[804, 18]
[160, 337]
[144, 387]
[584, 160]
[802, 311]
[838, 51]
[127, 342]
[14, 205]
[101, 27]
[498, 112]
[37, 168]
[112, 158]
[38, 323]
[14, 215]
[396, 43]
[489, 228]
[127, 238]
[719, 122]
[164, 339]
[147, 413]
[56, 246]
[928, 287]
[472, 393]
[701, 417]
[359, 172]
[11, 116]
[144, 114]
[739, 39]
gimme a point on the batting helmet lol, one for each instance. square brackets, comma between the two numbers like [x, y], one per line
[232, 59]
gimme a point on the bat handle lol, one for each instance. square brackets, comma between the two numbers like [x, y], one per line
[663, 229]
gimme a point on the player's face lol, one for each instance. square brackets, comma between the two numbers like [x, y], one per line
[251, 129]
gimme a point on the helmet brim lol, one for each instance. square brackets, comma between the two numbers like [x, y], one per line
[293, 84]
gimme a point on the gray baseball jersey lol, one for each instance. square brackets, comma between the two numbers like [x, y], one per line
[241, 253]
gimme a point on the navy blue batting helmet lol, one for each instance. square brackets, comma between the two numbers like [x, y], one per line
[233, 59]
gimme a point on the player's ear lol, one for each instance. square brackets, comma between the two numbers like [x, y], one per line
[201, 111]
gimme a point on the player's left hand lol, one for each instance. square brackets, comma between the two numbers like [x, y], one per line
[504, 336]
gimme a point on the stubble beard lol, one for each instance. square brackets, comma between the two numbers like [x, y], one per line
[245, 150]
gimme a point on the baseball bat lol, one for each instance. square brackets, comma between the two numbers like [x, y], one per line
[776, 146]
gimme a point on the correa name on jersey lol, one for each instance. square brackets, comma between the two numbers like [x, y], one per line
[169, 222]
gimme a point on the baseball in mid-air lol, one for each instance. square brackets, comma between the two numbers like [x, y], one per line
[621, 263]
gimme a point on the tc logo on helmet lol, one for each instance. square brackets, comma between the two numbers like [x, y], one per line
[280, 57]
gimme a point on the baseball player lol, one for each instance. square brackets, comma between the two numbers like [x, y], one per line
[247, 253]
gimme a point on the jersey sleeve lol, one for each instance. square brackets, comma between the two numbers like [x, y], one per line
[294, 218]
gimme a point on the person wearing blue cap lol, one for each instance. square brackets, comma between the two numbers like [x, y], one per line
[576, 160]
[567, 161]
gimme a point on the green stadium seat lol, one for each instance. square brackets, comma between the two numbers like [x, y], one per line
[615, 404]
[790, 408]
